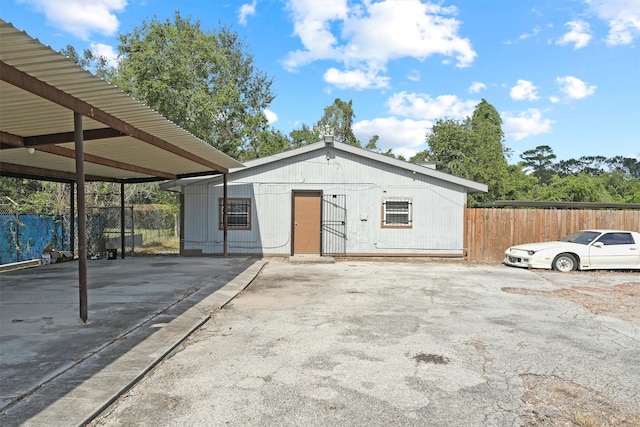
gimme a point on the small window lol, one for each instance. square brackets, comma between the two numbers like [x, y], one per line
[397, 213]
[616, 239]
[238, 214]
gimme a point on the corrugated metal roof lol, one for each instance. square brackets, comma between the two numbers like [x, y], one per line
[39, 91]
[471, 186]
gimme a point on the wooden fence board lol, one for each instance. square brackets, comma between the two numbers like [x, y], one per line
[490, 231]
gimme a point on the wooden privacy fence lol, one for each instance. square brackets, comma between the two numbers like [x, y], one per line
[490, 231]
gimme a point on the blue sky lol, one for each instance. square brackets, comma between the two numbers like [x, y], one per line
[560, 73]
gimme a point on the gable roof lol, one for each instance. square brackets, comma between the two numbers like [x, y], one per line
[470, 186]
[124, 140]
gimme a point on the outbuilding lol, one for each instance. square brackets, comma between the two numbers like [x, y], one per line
[326, 198]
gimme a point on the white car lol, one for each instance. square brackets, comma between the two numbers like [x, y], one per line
[582, 250]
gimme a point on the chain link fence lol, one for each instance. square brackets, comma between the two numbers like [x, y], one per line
[27, 230]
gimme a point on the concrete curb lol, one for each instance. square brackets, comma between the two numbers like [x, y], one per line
[90, 398]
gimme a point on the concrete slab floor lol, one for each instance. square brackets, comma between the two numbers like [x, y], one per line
[139, 307]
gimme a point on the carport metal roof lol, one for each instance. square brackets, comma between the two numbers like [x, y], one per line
[124, 140]
[51, 109]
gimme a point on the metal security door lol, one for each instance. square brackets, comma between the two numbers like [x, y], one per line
[334, 224]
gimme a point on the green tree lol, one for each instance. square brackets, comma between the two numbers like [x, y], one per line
[627, 165]
[303, 136]
[451, 146]
[489, 151]
[540, 161]
[519, 185]
[576, 188]
[98, 65]
[566, 167]
[205, 82]
[267, 143]
[372, 145]
[338, 121]
[471, 149]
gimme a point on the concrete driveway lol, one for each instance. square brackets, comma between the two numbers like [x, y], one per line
[55, 371]
[379, 344]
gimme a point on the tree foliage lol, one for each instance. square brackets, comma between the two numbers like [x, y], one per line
[471, 149]
[205, 82]
[539, 160]
[338, 121]
[98, 65]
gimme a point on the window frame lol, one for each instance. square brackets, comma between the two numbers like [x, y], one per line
[230, 200]
[615, 239]
[409, 213]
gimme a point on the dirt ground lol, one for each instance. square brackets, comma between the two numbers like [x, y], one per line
[557, 402]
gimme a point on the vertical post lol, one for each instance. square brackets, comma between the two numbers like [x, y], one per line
[225, 216]
[181, 223]
[133, 233]
[82, 216]
[72, 218]
[18, 242]
[122, 239]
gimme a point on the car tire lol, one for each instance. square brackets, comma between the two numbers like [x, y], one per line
[565, 263]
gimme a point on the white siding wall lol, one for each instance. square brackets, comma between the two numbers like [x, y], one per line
[437, 206]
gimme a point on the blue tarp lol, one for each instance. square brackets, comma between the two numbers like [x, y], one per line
[24, 236]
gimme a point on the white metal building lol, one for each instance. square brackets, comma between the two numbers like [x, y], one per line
[327, 199]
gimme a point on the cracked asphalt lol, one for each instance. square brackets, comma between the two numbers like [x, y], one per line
[378, 344]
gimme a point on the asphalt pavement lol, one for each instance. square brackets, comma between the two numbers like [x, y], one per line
[389, 343]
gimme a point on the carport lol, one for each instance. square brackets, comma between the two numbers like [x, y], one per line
[59, 122]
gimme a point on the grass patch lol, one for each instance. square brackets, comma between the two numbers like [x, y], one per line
[163, 246]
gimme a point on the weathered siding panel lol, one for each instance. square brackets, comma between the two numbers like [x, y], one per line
[438, 214]
[196, 220]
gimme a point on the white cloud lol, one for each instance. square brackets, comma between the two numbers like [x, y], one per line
[356, 79]
[477, 87]
[579, 34]
[245, 11]
[105, 51]
[524, 90]
[369, 35]
[81, 17]
[414, 75]
[524, 36]
[622, 16]
[271, 116]
[406, 137]
[524, 124]
[423, 107]
[574, 88]
[533, 33]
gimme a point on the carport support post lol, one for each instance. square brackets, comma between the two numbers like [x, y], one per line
[122, 219]
[82, 216]
[225, 216]
[72, 218]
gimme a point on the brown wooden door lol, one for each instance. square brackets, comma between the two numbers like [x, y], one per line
[306, 222]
